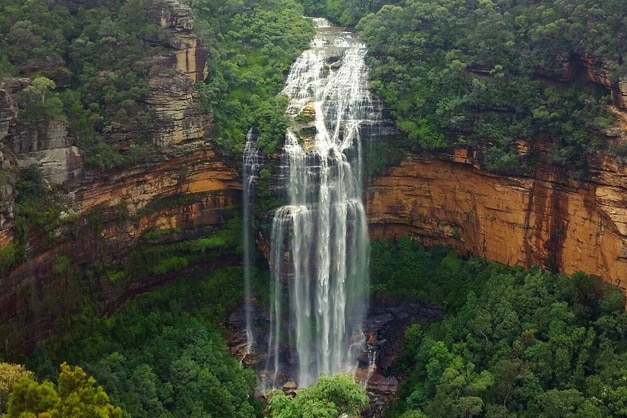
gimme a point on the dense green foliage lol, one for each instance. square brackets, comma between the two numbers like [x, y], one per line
[9, 375]
[252, 44]
[482, 73]
[10, 257]
[162, 354]
[88, 66]
[36, 212]
[330, 397]
[514, 343]
[77, 395]
[405, 270]
[344, 12]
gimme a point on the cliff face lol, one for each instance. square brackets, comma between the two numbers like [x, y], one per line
[107, 222]
[179, 116]
[190, 54]
[8, 112]
[185, 197]
[549, 220]
[172, 95]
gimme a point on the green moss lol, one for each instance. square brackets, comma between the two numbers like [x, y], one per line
[157, 234]
[150, 257]
[10, 257]
[116, 276]
[179, 200]
[303, 118]
[167, 265]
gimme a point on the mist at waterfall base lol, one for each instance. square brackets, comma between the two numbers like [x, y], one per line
[319, 239]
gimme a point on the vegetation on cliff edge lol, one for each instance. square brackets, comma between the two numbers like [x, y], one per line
[490, 73]
[504, 77]
[252, 47]
[89, 67]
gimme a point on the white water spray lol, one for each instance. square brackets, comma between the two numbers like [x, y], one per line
[250, 169]
[320, 239]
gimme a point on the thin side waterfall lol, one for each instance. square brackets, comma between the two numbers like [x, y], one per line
[250, 169]
[319, 248]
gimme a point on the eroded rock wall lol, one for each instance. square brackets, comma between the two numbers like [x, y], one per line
[8, 112]
[181, 191]
[187, 196]
[549, 220]
[172, 94]
[190, 53]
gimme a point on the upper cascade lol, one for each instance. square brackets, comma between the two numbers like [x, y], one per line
[320, 239]
[321, 22]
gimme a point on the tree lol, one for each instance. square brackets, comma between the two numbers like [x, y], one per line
[32, 399]
[77, 396]
[9, 375]
[38, 101]
[560, 403]
[330, 397]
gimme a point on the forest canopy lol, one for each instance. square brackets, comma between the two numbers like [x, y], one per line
[90, 60]
[491, 72]
[253, 44]
[90, 63]
[514, 342]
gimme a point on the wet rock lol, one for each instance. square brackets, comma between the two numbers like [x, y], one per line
[290, 388]
[383, 386]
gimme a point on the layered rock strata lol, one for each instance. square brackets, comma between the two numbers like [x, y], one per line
[189, 52]
[180, 117]
[181, 191]
[600, 72]
[47, 145]
[172, 94]
[8, 112]
[549, 220]
[186, 196]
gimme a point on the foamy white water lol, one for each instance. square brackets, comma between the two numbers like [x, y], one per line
[320, 239]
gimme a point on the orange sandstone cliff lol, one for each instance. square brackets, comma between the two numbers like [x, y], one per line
[548, 221]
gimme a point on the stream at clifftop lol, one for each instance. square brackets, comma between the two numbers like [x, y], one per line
[319, 321]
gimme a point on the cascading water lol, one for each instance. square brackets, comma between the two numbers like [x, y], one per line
[320, 239]
[250, 168]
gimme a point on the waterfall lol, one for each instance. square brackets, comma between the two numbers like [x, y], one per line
[250, 168]
[320, 238]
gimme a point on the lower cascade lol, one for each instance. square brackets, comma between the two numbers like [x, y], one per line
[319, 244]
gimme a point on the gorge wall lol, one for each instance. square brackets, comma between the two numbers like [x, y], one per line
[184, 191]
[548, 221]
[101, 244]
